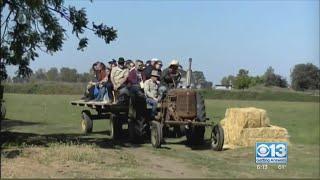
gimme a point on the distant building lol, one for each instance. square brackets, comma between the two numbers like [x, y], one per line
[199, 86]
[223, 87]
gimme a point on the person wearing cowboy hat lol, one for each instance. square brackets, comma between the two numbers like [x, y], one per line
[119, 76]
[151, 87]
[112, 63]
[171, 77]
[150, 65]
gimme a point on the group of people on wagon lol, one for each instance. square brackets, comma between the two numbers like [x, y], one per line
[131, 77]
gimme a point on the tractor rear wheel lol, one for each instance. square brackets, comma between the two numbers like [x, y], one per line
[137, 129]
[133, 135]
[195, 134]
[137, 123]
[156, 134]
[86, 122]
[217, 138]
[201, 108]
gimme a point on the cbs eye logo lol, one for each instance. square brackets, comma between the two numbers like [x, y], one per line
[263, 150]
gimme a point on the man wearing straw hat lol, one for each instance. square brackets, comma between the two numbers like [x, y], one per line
[151, 87]
[171, 77]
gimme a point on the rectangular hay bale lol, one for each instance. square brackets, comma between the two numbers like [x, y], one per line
[243, 126]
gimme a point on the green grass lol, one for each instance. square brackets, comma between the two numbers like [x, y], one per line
[266, 95]
[300, 118]
[43, 120]
[45, 88]
[254, 93]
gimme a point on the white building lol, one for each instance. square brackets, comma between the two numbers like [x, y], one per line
[223, 87]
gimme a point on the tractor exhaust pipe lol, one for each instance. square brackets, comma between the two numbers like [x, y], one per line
[189, 74]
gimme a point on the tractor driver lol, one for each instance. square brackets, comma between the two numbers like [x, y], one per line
[171, 76]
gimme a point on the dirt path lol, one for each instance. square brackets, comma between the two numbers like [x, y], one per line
[165, 166]
[92, 162]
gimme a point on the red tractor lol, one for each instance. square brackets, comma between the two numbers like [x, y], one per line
[183, 109]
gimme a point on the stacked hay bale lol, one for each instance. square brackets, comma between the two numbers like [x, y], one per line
[246, 126]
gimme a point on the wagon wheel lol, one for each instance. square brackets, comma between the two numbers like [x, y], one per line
[115, 126]
[86, 122]
[217, 138]
[156, 134]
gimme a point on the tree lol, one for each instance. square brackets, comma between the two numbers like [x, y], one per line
[28, 26]
[207, 85]
[85, 77]
[3, 72]
[18, 79]
[53, 74]
[272, 79]
[281, 81]
[305, 76]
[198, 77]
[40, 74]
[242, 79]
[269, 77]
[8, 80]
[256, 81]
[228, 80]
[68, 75]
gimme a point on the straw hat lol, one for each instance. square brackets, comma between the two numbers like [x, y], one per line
[174, 62]
[155, 73]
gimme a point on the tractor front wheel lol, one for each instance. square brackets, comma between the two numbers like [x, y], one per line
[217, 138]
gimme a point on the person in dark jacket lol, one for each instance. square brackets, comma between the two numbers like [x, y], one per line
[140, 67]
[149, 67]
[158, 66]
[132, 77]
[133, 82]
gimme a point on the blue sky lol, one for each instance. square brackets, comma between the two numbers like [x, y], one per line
[220, 36]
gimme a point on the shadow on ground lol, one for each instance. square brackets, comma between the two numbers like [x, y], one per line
[7, 124]
[13, 138]
[9, 139]
[204, 146]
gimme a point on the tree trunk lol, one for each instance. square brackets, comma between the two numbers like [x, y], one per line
[1, 91]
